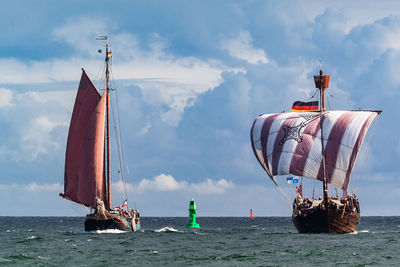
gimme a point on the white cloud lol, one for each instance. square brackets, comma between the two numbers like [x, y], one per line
[36, 137]
[144, 130]
[64, 99]
[31, 131]
[6, 96]
[175, 82]
[78, 32]
[164, 182]
[163, 78]
[161, 182]
[359, 12]
[32, 187]
[24, 72]
[211, 187]
[241, 48]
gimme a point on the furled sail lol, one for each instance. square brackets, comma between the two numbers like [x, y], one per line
[84, 160]
[290, 143]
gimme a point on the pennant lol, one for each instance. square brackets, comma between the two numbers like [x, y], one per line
[299, 106]
[289, 180]
[101, 38]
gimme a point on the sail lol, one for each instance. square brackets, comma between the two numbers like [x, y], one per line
[290, 143]
[84, 160]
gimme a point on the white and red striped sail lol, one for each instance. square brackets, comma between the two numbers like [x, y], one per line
[290, 143]
[84, 159]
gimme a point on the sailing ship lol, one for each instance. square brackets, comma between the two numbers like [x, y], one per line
[87, 175]
[318, 144]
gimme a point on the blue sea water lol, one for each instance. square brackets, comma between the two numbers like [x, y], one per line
[262, 241]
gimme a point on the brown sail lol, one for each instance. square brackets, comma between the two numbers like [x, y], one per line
[84, 160]
[87, 177]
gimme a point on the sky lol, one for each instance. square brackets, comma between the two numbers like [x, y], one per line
[191, 76]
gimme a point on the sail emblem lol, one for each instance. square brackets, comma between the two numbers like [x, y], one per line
[294, 132]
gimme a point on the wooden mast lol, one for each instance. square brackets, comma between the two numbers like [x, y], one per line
[322, 82]
[108, 161]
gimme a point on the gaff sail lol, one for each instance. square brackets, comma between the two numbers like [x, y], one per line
[84, 160]
[290, 143]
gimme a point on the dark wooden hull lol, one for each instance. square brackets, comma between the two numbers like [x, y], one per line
[93, 223]
[328, 219]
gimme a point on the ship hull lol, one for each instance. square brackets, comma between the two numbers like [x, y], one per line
[93, 223]
[325, 220]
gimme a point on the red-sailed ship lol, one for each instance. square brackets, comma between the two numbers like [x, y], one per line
[87, 176]
[317, 144]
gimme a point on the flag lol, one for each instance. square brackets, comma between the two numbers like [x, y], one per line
[109, 54]
[295, 180]
[289, 180]
[299, 106]
[101, 38]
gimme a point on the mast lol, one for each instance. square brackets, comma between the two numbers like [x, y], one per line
[108, 161]
[322, 82]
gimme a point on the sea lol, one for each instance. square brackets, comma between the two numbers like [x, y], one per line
[221, 241]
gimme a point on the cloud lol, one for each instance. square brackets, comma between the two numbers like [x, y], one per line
[161, 182]
[186, 111]
[144, 130]
[32, 187]
[211, 187]
[164, 182]
[78, 32]
[33, 122]
[164, 79]
[6, 96]
[36, 137]
[263, 198]
[241, 48]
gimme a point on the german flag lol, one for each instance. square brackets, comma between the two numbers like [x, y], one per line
[300, 106]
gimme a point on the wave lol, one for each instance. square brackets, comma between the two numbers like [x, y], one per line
[29, 239]
[167, 229]
[4, 260]
[108, 231]
[359, 232]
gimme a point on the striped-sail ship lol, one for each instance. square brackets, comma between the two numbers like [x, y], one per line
[316, 144]
[87, 174]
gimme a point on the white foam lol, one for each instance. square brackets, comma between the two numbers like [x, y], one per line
[108, 231]
[166, 229]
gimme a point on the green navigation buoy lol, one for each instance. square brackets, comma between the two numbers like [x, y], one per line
[192, 214]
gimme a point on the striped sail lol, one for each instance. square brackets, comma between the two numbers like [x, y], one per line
[290, 143]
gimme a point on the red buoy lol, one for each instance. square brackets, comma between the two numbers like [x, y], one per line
[251, 213]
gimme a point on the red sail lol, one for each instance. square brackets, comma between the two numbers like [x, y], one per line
[84, 160]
